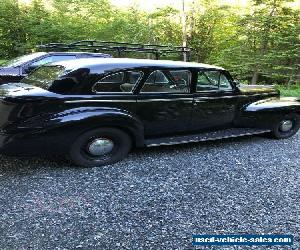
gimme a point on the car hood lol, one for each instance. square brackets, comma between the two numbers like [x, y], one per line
[258, 89]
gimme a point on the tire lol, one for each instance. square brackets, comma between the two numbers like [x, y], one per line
[100, 147]
[292, 121]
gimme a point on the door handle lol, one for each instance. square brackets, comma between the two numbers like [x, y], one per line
[195, 102]
[188, 102]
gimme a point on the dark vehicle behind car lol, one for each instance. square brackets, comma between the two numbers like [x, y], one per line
[16, 69]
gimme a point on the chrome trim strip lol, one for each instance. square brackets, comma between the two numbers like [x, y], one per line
[201, 98]
[166, 100]
[208, 139]
[124, 100]
[231, 96]
[170, 99]
[83, 101]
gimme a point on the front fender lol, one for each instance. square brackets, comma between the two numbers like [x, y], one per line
[75, 121]
[281, 105]
[265, 113]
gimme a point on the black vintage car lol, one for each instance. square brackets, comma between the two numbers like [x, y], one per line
[16, 69]
[96, 110]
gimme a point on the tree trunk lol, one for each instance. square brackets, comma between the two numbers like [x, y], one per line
[289, 83]
[254, 77]
[184, 30]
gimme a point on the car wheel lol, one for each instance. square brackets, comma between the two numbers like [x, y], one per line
[286, 127]
[100, 147]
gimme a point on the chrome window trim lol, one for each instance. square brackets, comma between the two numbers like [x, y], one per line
[113, 73]
[184, 93]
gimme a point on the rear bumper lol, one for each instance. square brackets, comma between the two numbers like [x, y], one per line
[32, 144]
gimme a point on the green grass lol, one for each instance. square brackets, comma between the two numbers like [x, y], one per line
[292, 91]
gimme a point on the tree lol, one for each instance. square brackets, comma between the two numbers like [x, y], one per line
[209, 26]
[265, 44]
[11, 29]
[260, 43]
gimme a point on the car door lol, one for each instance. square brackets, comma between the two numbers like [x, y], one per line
[214, 103]
[164, 102]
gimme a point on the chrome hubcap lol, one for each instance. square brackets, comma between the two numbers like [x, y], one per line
[286, 125]
[100, 146]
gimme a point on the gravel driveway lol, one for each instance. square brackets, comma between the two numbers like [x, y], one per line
[155, 199]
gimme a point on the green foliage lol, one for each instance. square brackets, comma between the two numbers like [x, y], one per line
[258, 44]
[11, 29]
[266, 44]
[291, 91]
[207, 30]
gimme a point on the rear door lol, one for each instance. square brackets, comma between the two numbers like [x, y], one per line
[164, 102]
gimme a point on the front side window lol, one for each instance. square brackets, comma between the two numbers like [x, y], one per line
[168, 81]
[212, 80]
[224, 82]
[118, 82]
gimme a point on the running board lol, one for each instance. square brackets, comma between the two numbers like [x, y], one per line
[207, 136]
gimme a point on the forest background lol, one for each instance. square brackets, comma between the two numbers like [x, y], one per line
[258, 43]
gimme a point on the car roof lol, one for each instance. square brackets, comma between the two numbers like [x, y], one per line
[128, 63]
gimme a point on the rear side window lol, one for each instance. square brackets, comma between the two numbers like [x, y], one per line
[114, 78]
[118, 82]
[157, 77]
[168, 81]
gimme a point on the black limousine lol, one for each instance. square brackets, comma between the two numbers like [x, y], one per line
[94, 111]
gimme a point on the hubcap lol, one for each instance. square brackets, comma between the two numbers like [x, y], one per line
[100, 146]
[286, 125]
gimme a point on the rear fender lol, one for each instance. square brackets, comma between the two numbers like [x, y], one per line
[74, 122]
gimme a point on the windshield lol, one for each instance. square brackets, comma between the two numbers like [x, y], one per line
[22, 59]
[44, 76]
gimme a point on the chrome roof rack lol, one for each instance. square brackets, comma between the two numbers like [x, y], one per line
[119, 47]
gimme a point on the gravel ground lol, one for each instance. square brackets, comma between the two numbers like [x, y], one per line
[155, 199]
